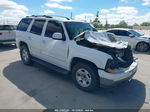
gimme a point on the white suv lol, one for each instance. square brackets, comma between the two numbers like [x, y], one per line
[7, 34]
[72, 47]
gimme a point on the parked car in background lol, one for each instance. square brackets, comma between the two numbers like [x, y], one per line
[7, 34]
[136, 40]
[72, 47]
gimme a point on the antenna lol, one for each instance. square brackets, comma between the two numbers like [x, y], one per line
[71, 15]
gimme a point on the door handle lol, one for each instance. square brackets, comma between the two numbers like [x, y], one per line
[43, 41]
[29, 38]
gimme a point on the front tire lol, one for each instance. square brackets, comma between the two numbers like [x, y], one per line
[25, 55]
[142, 47]
[85, 77]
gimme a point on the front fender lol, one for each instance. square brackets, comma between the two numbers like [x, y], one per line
[97, 57]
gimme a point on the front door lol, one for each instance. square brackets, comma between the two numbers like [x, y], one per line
[54, 51]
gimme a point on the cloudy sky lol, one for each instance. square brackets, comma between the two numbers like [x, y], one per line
[132, 11]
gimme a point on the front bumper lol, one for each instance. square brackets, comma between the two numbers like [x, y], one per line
[109, 79]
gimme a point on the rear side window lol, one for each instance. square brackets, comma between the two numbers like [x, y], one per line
[37, 27]
[123, 33]
[53, 27]
[113, 31]
[7, 27]
[24, 24]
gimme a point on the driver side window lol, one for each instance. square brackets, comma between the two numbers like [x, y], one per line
[53, 27]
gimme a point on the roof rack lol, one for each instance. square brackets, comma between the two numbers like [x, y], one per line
[61, 17]
[49, 16]
[40, 16]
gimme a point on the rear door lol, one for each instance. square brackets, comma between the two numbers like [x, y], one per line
[35, 37]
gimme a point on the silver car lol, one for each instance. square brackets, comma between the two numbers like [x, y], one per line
[136, 40]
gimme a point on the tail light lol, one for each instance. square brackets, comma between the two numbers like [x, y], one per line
[1, 33]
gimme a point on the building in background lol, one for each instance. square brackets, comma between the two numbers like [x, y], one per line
[142, 29]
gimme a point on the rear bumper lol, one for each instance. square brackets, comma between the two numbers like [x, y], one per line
[10, 41]
[108, 79]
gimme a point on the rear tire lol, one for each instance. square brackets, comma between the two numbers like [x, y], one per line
[142, 47]
[85, 77]
[25, 55]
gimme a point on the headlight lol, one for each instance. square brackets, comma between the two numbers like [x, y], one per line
[109, 66]
[112, 67]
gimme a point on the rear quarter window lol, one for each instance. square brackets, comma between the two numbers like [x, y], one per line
[24, 24]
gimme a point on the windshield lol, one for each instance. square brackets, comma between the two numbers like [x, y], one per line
[75, 28]
[135, 33]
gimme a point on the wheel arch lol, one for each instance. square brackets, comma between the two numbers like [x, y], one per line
[22, 43]
[76, 60]
[142, 42]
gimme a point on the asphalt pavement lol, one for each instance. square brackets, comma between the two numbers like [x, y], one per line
[36, 87]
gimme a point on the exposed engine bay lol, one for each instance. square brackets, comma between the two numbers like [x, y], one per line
[103, 41]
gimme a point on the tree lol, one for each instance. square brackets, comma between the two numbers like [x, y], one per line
[122, 24]
[135, 24]
[145, 24]
[106, 24]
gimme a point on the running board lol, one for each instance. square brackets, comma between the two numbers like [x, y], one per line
[50, 66]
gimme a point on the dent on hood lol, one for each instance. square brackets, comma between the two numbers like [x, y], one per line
[102, 39]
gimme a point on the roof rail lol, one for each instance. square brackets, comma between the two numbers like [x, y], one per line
[49, 16]
[40, 16]
[61, 17]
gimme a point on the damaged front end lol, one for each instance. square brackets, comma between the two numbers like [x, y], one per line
[120, 52]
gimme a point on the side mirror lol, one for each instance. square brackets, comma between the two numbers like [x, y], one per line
[132, 36]
[57, 36]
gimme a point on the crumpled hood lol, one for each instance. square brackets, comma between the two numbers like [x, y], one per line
[103, 39]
